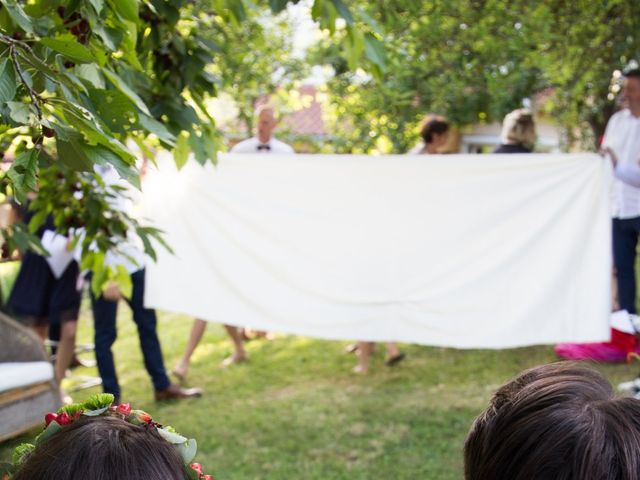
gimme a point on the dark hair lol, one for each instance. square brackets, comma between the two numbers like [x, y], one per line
[555, 422]
[633, 73]
[104, 448]
[431, 127]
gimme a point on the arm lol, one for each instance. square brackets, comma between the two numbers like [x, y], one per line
[629, 173]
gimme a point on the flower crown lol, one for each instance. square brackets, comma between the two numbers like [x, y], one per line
[102, 405]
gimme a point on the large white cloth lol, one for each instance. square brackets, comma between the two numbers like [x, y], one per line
[460, 250]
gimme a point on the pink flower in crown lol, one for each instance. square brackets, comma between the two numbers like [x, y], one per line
[124, 409]
[138, 417]
[64, 419]
[198, 468]
[50, 417]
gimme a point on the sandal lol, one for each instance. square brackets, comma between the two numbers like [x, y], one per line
[392, 361]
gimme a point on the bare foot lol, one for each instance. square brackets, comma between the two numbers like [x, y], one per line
[351, 348]
[360, 370]
[65, 398]
[180, 371]
[234, 359]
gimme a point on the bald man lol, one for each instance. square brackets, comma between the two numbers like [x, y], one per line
[264, 141]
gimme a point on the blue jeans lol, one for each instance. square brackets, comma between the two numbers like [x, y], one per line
[104, 316]
[625, 242]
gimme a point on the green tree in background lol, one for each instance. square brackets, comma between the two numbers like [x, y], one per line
[81, 78]
[476, 60]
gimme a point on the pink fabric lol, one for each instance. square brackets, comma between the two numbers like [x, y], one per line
[615, 351]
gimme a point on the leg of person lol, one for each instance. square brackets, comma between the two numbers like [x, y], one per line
[364, 354]
[394, 355]
[64, 354]
[40, 326]
[146, 322]
[239, 354]
[54, 336]
[182, 367]
[625, 240]
[104, 320]
[64, 309]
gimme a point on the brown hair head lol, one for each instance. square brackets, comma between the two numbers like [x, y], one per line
[433, 126]
[555, 422]
[104, 448]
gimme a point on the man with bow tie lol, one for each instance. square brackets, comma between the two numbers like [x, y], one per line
[263, 142]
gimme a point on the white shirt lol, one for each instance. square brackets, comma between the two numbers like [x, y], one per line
[623, 137]
[129, 253]
[253, 145]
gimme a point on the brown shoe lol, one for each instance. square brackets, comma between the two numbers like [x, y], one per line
[174, 391]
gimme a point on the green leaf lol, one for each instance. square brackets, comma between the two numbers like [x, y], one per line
[188, 450]
[153, 126]
[121, 85]
[236, 7]
[317, 9]
[127, 9]
[17, 15]
[99, 400]
[71, 409]
[100, 277]
[374, 51]
[354, 47]
[91, 73]
[123, 279]
[37, 220]
[102, 156]
[114, 108]
[95, 413]
[24, 240]
[72, 154]
[7, 81]
[97, 5]
[278, 5]
[24, 173]
[21, 453]
[19, 112]
[50, 431]
[182, 150]
[171, 437]
[67, 45]
[343, 11]
[110, 36]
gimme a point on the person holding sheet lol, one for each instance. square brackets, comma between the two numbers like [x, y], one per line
[263, 143]
[622, 142]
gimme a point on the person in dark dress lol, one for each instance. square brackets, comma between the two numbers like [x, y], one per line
[518, 132]
[44, 301]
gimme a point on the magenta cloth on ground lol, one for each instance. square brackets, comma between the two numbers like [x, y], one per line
[615, 351]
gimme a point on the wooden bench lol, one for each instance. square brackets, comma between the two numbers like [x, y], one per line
[27, 387]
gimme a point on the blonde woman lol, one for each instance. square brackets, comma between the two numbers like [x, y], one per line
[518, 132]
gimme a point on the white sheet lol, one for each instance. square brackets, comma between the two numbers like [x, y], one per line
[461, 250]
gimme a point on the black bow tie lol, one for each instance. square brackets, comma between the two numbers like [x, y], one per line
[264, 147]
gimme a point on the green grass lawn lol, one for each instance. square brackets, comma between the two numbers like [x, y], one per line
[295, 410]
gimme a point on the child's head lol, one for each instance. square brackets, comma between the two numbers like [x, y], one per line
[104, 448]
[98, 441]
[558, 421]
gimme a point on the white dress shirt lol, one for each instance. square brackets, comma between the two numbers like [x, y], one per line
[623, 137]
[253, 145]
[129, 253]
